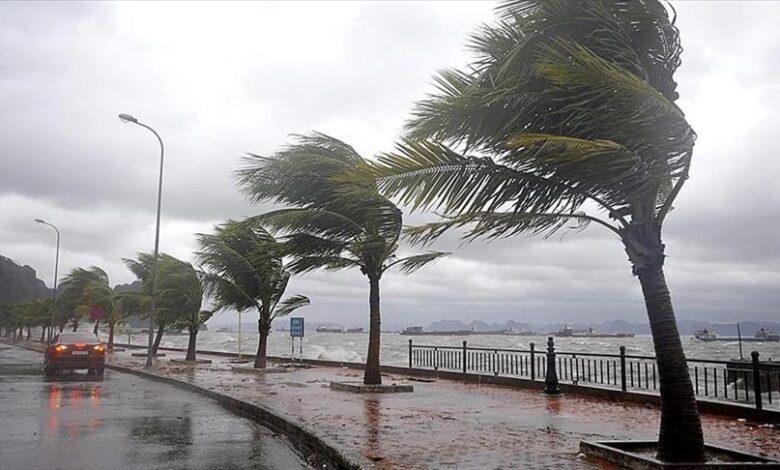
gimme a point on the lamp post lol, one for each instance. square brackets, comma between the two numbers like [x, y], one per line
[128, 118]
[56, 267]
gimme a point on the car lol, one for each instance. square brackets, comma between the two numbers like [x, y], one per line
[69, 351]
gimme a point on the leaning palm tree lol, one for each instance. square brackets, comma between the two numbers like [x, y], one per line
[180, 295]
[142, 268]
[243, 270]
[334, 223]
[74, 287]
[568, 114]
[112, 307]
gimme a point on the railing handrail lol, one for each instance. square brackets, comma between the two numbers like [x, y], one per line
[578, 354]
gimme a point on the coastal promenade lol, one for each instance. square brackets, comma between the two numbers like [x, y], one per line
[443, 423]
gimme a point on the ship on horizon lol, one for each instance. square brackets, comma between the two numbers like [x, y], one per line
[337, 329]
[418, 331]
[569, 332]
[763, 335]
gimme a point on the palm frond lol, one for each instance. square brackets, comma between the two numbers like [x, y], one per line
[290, 304]
[411, 264]
[495, 225]
[433, 176]
[307, 264]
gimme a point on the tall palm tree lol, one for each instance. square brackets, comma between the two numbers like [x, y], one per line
[243, 270]
[334, 223]
[569, 115]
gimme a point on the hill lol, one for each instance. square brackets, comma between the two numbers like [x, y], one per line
[19, 283]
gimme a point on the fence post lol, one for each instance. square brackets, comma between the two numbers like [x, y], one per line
[533, 362]
[756, 380]
[435, 358]
[410, 353]
[623, 368]
[551, 377]
[464, 356]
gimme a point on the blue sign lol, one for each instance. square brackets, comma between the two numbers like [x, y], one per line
[296, 327]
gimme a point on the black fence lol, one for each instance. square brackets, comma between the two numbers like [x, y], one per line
[745, 381]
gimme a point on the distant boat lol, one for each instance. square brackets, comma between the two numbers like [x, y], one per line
[763, 335]
[418, 331]
[512, 332]
[567, 331]
[330, 329]
[354, 330]
[705, 335]
[223, 330]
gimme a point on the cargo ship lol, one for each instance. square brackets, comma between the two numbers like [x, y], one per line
[763, 335]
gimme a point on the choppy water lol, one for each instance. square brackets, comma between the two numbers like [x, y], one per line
[394, 350]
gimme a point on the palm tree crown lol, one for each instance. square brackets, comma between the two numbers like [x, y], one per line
[243, 270]
[334, 222]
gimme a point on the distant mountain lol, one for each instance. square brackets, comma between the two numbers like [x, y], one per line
[20, 283]
[476, 325]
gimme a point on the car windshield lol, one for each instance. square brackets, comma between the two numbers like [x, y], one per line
[78, 338]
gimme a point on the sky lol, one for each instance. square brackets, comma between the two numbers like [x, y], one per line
[219, 80]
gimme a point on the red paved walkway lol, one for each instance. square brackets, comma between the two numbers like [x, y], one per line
[445, 424]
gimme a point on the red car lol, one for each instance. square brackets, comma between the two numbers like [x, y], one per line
[75, 351]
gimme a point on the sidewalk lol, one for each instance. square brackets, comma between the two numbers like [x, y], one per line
[446, 424]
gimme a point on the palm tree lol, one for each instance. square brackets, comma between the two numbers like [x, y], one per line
[180, 295]
[334, 223]
[72, 299]
[172, 273]
[37, 314]
[112, 307]
[243, 269]
[569, 114]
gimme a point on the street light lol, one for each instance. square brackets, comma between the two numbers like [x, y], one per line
[56, 267]
[130, 119]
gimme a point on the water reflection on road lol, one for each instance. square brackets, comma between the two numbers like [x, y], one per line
[80, 421]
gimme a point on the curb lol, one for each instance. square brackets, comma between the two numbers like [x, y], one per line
[302, 438]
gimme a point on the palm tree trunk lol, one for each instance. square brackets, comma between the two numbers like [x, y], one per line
[43, 333]
[111, 336]
[158, 338]
[263, 326]
[29, 333]
[97, 324]
[191, 345]
[75, 324]
[373, 375]
[680, 438]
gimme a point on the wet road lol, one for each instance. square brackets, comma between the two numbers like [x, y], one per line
[122, 422]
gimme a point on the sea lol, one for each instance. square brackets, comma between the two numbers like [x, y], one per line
[352, 347]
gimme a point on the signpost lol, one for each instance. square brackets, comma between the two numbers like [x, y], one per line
[296, 331]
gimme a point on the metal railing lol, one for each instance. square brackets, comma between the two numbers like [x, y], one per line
[752, 382]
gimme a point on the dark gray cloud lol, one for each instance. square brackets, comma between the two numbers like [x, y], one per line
[220, 80]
